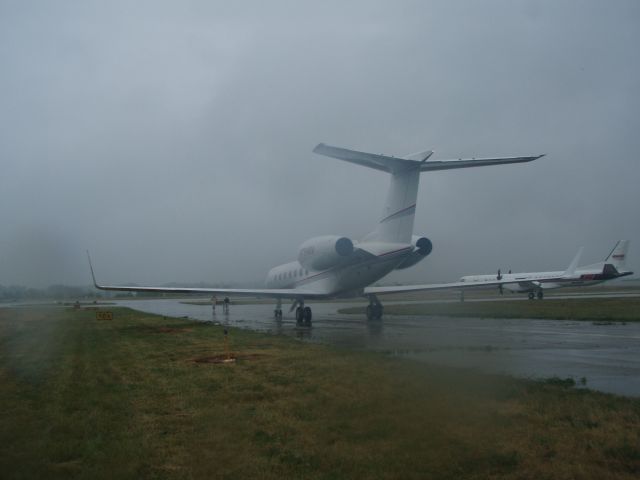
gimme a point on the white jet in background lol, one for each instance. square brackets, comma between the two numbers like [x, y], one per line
[335, 266]
[534, 283]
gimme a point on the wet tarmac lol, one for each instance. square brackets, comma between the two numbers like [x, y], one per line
[602, 357]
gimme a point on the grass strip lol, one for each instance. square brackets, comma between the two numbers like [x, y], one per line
[129, 398]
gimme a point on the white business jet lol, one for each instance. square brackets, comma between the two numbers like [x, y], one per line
[534, 283]
[334, 266]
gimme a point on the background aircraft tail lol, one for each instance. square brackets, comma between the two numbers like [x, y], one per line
[618, 255]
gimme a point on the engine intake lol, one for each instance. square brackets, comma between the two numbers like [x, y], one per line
[320, 253]
[422, 247]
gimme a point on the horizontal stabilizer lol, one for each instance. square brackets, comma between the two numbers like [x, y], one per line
[474, 162]
[419, 161]
[371, 160]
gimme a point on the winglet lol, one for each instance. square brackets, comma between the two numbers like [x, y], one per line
[95, 284]
[571, 269]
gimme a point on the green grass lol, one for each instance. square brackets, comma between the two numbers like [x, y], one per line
[596, 309]
[124, 399]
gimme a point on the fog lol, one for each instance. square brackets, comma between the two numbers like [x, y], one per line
[173, 139]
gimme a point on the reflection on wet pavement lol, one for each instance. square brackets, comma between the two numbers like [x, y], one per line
[606, 356]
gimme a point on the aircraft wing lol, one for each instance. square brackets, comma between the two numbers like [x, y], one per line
[445, 286]
[291, 293]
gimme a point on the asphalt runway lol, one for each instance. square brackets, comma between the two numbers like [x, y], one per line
[607, 357]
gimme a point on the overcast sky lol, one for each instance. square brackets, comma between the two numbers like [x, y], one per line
[173, 139]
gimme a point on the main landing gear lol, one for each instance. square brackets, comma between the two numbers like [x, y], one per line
[303, 314]
[533, 295]
[374, 309]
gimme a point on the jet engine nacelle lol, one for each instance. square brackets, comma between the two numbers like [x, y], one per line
[422, 247]
[320, 253]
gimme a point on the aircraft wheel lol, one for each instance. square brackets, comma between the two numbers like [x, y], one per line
[306, 314]
[374, 312]
[540, 295]
[299, 315]
[531, 295]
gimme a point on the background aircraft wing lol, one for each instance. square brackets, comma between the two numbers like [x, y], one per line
[444, 286]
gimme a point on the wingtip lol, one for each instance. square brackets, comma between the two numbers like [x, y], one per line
[318, 147]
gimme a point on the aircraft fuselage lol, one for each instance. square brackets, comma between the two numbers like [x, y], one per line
[345, 279]
[526, 282]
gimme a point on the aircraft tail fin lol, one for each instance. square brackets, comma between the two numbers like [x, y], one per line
[396, 225]
[571, 269]
[618, 255]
